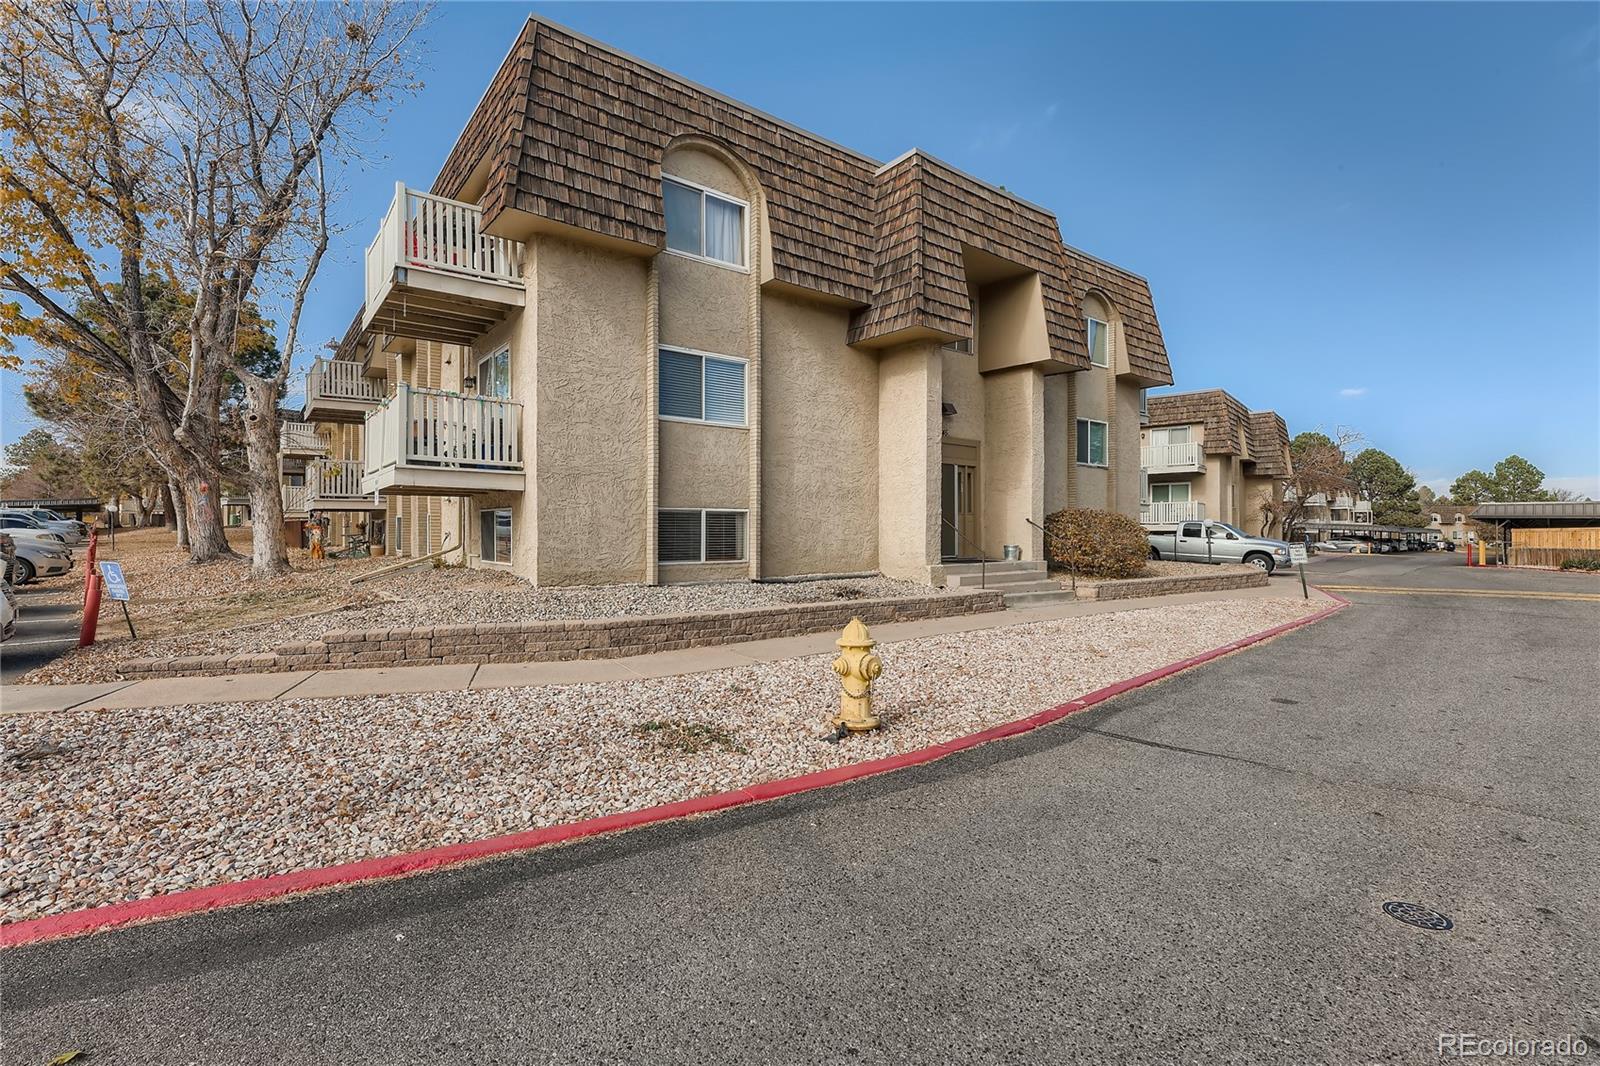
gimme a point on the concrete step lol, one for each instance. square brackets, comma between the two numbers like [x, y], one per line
[972, 575]
[1040, 598]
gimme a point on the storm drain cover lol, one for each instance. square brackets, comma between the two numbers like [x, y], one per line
[1418, 915]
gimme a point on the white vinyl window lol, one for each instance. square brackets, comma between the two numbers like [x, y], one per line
[700, 387]
[704, 223]
[700, 536]
[1169, 435]
[1091, 443]
[1169, 492]
[494, 374]
[1099, 343]
[494, 535]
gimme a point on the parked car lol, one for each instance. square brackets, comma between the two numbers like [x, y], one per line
[1337, 545]
[72, 532]
[8, 612]
[1217, 542]
[36, 558]
[1448, 545]
[1383, 547]
[47, 516]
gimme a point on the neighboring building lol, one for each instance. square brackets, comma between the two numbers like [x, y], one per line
[1205, 455]
[638, 331]
[1451, 521]
[1542, 533]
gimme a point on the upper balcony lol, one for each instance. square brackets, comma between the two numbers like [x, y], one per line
[424, 442]
[300, 439]
[335, 485]
[1173, 458]
[337, 391]
[432, 274]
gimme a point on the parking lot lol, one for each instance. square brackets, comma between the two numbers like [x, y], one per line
[46, 626]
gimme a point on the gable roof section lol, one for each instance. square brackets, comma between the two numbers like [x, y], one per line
[1130, 295]
[927, 212]
[1268, 436]
[1222, 417]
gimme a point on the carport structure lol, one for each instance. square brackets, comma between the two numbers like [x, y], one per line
[1540, 533]
[1408, 535]
[76, 507]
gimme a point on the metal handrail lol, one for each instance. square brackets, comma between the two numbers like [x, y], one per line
[983, 560]
[1073, 570]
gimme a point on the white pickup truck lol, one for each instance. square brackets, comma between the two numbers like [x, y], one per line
[1205, 541]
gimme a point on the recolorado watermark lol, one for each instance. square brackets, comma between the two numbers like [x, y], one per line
[1478, 1046]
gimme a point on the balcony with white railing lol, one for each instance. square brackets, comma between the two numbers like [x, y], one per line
[335, 485]
[337, 391]
[1173, 458]
[424, 442]
[300, 439]
[433, 274]
[294, 501]
[1342, 503]
[1171, 513]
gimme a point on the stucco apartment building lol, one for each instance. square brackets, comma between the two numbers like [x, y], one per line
[1206, 455]
[638, 331]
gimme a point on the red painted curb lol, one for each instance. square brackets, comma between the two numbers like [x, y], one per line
[257, 890]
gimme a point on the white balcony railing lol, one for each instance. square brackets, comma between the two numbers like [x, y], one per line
[1157, 458]
[1343, 503]
[426, 232]
[1168, 513]
[1317, 499]
[333, 479]
[340, 379]
[294, 499]
[430, 428]
[300, 438]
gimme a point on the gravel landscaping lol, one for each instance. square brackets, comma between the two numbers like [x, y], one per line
[436, 596]
[99, 807]
[1165, 568]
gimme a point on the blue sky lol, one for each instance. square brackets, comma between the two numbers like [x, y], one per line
[1378, 216]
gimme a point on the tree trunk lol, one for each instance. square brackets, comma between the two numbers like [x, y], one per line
[180, 518]
[169, 509]
[207, 538]
[269, 555]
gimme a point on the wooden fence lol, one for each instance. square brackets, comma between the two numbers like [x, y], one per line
[1552, 547]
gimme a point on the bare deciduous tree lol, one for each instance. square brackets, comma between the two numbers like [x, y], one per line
[194, 143]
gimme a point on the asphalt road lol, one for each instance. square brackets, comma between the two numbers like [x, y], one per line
[44, 631]
[1191, 873]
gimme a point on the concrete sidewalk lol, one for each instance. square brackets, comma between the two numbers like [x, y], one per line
[233, 688]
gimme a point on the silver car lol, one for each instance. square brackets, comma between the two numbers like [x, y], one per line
[1218, 542]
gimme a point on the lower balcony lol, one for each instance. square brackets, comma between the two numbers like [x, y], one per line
[424, 442]
[1171, 513]
[300, 439]
[294, 501]
[335, 485]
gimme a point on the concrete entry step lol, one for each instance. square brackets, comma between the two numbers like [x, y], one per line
[1040, 598]
[975, 575]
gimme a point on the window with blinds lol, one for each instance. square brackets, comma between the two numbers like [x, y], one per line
[700, 536]
[697, 387]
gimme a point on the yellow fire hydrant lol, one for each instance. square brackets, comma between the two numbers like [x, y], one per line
[858, 667]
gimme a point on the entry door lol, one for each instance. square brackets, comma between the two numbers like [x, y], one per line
[958, 507]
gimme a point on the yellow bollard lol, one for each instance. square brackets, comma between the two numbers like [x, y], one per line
[858, 667]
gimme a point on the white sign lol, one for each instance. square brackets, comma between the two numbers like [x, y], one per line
[1297, 553]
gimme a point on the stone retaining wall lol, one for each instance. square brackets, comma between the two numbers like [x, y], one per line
[1168, 586]
[605, 638]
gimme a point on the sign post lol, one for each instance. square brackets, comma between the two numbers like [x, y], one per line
[116, 585]
[1297, 555]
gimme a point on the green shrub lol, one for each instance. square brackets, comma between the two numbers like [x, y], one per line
[1581, 562]
[1096, 543]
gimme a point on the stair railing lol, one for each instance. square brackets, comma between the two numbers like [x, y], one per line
[983, 560]
[1071, 569]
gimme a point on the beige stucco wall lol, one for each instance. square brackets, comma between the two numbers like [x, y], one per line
[1091, 392]
[1012, 467]
[704, 466]
[1011, 329]
[1058, 432]
[1123, 441]
[1254, 492]
[909, 390]
[819, 442]
[588, 466]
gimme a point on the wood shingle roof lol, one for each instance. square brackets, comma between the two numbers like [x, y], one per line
[1230, 428]
[574, 132]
